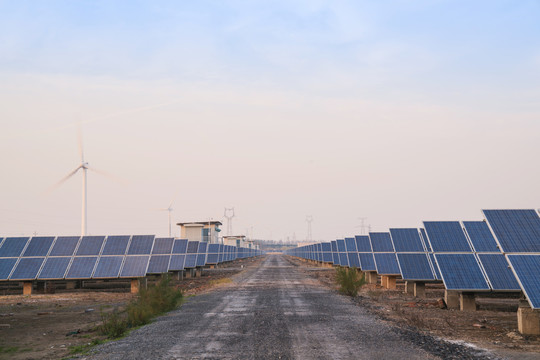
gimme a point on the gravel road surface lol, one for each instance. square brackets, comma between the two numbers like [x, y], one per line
[271, 311]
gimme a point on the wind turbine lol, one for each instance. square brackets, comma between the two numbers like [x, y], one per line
[170, 210]
[84, 167]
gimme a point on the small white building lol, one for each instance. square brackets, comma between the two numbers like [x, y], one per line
[207, 231]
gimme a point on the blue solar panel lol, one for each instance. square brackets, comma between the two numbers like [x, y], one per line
[341, 245]
[27, 269]
[461, 272]
[367, 263]
[191, 261]
[221, 253]
[108, 267]
[326, 247]
[141, 245]
[116, 245]
[201, 259]
[158, 264]
[333, 244]
[354, 260]
[498, 272]
[212, 259]
[526, 268]
[90, 245]
[327, 257]
[13, 246]
[39, 246]
[54, 268]
[193, 247]
[135, 266]
[82, 267]
[516, 230]
[6, 266]
[415, 267]
[425, 239]
[386, 264]
[481, 237]
[381, 242]
[213, 248]
[446, 236]
[362, 243]
[435, 267]
[406, 240]
[65, 246]
[163, 246]
[177, 262]
[180, 246]
[202, 247]
[350, 244]
[343, 259]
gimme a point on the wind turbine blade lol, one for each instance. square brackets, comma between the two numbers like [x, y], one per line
[108, 175]
[169, 207]
[63, 180]
[80, 142]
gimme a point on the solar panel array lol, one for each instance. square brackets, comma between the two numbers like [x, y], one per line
[106, 257]
[501, 253]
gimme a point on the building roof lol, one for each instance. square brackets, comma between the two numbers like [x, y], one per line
[234, 236]
[200, 223]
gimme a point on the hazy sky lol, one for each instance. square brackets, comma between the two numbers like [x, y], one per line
[397, 111]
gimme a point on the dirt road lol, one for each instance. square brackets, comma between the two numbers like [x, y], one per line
[272, 311]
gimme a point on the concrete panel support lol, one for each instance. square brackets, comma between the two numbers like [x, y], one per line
[528, 319]
[451, 298]
[420, 289]
[198, 272]
[384, 281]
[391, 282]
[467, 302]
[27, 288]
[409, 287]
[70, 285]
[137, 285]
[371, 277]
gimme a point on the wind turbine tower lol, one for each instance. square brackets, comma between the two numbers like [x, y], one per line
[229, 214]
[309, 220]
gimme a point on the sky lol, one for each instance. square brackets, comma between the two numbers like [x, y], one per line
[394, 111]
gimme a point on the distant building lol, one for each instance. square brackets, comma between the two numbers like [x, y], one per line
[240, 241]
[207, 231]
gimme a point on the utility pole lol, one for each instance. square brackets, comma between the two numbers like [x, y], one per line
[229, 214]
[309, 236]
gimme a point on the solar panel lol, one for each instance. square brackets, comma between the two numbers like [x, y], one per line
[461, 272]
[515, 230]
[213, 254]
[367, 263]
[82, 267]
[341, 245]
[38, 246]
[435, 267]
[180, 246]
[177, 262]
[362, 243]
[141, 245]
[481, 237]
[446, 236]
[343, 259]
[406, 240]
[415, 267]
[27, 268]
[6, 267]
[193, 247]
[191, 261]
[201, 253]
[386, 264]
[526, 268]
[163, 246]
[116, 245]
[108, 267]
[221, 251]
[498, 272]
[64, 246]
[327, 252]
[13, 246]
[425, 241]
[158, 264]
[135, 266]
[54, 268]
[90, 245]
[381, 242]
[335, 254]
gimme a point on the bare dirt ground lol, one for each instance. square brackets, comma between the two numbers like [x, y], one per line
[52, 326]
[492, 327]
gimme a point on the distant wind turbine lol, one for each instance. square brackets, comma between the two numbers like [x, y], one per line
[84, 167]
[169, 209]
